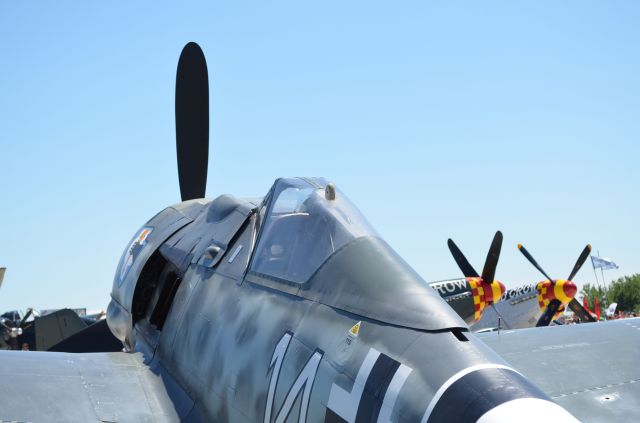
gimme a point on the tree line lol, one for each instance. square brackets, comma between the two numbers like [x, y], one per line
[625, 291]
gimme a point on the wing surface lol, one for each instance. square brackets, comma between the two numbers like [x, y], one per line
[590, 369]
[99, 387]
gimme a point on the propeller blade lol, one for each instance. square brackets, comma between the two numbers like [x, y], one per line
[579, 310]
[548, 314]
[2, 270]
[26, 316]
[461, 260]
[490, 264]
[192, 122]
[583, 257]
[532, 261]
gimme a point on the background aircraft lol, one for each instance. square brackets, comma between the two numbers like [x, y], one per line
[285, 308]
[37, 332]
[526, 306]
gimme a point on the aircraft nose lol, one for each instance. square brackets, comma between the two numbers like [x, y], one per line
[492, 393]
[498, 290]
[565, 290]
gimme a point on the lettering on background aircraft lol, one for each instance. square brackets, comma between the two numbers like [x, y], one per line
[518, 292]
[377, 370]
[303, 383]
[448, 287]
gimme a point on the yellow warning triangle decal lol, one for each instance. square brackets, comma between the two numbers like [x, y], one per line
[355, 329]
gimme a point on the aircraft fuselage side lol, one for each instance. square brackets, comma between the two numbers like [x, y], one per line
[247, 348]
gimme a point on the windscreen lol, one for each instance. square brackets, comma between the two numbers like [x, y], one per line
[302, 228]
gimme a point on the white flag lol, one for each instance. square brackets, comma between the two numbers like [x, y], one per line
[603, 263]
[611, 311]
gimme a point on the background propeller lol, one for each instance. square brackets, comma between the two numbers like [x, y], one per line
[491, 262]
[14, 328]
[464, 265]
[559, 290]
[485, 289]
[574, 304]
[192, 122]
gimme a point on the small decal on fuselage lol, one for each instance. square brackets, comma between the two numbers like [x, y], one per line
[355, 330]
[134, 249]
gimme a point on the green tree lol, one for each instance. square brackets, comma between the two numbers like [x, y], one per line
[626, 292]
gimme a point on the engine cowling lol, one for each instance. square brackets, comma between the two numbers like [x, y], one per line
[469, 297]
[562, 290]
[136, 255]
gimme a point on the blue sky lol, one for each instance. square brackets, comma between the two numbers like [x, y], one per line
[438, 119]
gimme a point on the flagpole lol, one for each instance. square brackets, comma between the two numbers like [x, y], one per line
[604, 281]
[595, 273]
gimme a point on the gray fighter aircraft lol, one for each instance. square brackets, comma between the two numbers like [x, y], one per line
[280, 309]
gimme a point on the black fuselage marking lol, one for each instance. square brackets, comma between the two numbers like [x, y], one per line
[375, 389]
[471, 396]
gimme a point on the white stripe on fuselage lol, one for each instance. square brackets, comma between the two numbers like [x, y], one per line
[345, 404]
[391, 395]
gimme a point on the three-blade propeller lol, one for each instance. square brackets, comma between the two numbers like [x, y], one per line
[487, 290]
[553, 294]
[192, 122]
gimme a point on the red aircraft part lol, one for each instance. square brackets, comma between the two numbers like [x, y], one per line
[484, 294]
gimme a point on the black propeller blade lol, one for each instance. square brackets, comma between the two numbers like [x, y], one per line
[464, 265]
[532, 261]
[579, 310]
[490, 264]
[192, 122]
[26, 316]
[548, 314]
[583, 257]
[574, 304]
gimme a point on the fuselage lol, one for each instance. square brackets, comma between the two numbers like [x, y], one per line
[249, 329]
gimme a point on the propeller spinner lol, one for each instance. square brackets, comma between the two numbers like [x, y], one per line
[192, 122]
[555, 294]
[486, 291]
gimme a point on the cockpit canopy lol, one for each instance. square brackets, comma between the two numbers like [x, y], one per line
[305, 221]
